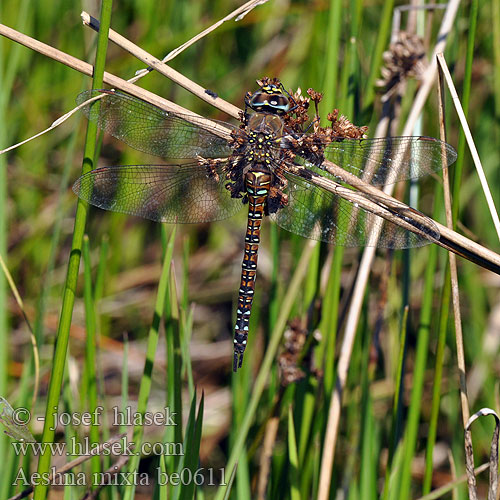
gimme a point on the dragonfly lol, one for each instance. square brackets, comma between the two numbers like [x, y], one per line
[267, 162]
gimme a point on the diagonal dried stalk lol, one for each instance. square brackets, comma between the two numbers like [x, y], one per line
[364, 271]
[470, 141]
[162, 68]
[450, 240]
[111, 80]
[471, 479]
[103, 448]
[159, 66]
[20, 303]
[238, 13]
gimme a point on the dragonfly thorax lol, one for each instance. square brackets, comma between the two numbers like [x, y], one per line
[266, 123]
[263, 132]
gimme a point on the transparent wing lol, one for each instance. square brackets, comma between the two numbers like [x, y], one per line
[164, 193]
[317, 214]
[390, 159]
[152, 130]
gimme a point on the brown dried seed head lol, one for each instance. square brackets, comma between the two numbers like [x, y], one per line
[342, 127]
[295, 337]
[315, 96]
[404, 59]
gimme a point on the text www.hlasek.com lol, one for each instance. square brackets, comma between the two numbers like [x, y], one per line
[85, 448]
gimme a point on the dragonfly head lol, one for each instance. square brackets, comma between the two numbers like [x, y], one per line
[270, 98]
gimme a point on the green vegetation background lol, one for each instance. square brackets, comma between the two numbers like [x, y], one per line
[296, 42]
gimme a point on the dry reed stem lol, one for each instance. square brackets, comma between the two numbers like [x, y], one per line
[429, 76]
[113, 80]
[162, 68]
[396, 20]
[470, 141]
[55, 124]
[155, 63]
[108, 476]
[364, 272]
[452, 485]
[453, 264]
[239, 13]
[459, 244]
[469, 458]
[493, 463]
[449, 239]
[20, 303]
[266, 455]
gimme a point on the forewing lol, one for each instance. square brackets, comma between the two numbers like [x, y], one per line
[152, 130]
[317, 214]
[379, 161]
[391, 159]
[164, 193]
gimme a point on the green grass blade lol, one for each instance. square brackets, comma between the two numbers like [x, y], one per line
[332, 54]
[294, 474]
[436, 388]
[192, 451]
[262, 377]
[40, 492]
[173, 434]
[101, 269]
[421, 358]
[145, 386]
[384, 27]
[90, 352]
[229, 485]
[7, 74]
[397, 404]
[307, 415]
[458, 167]
[124, 382]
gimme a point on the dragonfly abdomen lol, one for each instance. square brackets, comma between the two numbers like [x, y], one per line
[257, 186]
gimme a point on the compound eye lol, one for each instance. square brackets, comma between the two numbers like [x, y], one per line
[270, 102]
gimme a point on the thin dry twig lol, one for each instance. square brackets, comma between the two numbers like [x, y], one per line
[266, 455]
[162, 68]
[352, 180]
[55, 124]
[111, 80]
[471, 479]
[470, 141]
[74, 463]
[153, 62]
[453, 264]
[364, 272]
[238, 13]
[452, 485]
[108, 475]
[493, 463]
[449, 239]
[396, 20]
[20, 303]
